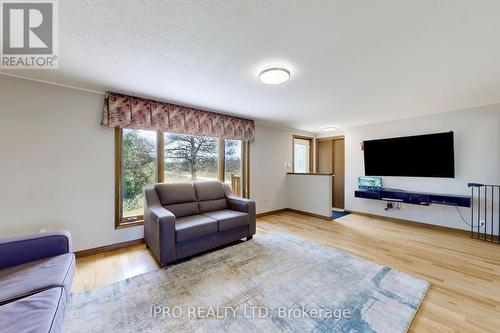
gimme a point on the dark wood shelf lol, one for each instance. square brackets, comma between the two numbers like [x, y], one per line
[415, 198]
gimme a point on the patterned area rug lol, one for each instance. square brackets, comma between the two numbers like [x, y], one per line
[274, 283]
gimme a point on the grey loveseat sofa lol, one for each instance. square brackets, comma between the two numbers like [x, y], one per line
[36, 274]
[184, 219]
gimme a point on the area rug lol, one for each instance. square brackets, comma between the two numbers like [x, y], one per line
[274, 283]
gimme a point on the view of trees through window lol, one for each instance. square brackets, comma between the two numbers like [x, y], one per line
[186, 158]
[233, 166]
[190, 158]
[138, 168]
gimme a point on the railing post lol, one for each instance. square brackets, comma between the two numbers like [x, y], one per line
[487, 236]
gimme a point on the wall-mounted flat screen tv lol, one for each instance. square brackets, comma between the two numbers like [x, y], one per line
[430, 155]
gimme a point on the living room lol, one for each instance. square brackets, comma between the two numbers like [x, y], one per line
[250, 166]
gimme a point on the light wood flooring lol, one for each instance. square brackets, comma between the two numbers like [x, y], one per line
[464, 273]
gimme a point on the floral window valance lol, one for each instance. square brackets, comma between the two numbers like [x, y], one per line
[138, 113]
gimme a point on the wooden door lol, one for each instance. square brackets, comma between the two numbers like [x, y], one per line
[325, 156]
[338, 171]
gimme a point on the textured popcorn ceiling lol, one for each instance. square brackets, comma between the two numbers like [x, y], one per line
[352, 61]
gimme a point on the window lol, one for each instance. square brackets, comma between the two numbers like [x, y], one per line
[302, 161]
[138, 160]
[190, 158]
[143, 158]
[233, 167]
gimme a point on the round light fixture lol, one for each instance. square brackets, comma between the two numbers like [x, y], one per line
[330, 128]
[274, 75]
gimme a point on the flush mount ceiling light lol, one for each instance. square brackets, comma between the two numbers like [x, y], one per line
[329, 128]
[274, 75]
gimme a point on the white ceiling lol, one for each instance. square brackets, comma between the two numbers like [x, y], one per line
[352, 61]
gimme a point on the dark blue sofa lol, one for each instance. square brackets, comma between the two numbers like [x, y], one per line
[36, 273]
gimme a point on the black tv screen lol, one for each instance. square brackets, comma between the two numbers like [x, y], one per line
[430, 155]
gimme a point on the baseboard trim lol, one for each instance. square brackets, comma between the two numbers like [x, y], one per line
[327, 218]
[271, 212]
[421, 224]
[284, 210]
[106, 248]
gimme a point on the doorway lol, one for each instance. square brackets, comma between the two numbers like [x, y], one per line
[330, 159]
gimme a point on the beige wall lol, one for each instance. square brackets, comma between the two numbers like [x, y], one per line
[477, 159]
[310, 193]
[57, 164]
[269, 153]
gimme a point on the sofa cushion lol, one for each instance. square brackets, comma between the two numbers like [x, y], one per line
[229, 219]
[41, 312]
[211, 205]
[194, 226]
[27, 279]
[175, 193]
[183, 209]
[209, 190]
[211, 195]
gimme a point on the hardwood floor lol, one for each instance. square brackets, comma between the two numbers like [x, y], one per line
[98, 270]
[464, 273]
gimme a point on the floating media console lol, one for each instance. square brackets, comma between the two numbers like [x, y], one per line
[415, 198]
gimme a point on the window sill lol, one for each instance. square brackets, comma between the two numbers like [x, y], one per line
[123, 225]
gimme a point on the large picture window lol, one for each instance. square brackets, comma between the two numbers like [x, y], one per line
[190, 158]
[144, 158]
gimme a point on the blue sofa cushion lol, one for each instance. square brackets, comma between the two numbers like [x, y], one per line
[26, 279]
[40, 312]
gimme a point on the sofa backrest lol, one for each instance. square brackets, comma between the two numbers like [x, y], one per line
[179, 198]
[211, 195]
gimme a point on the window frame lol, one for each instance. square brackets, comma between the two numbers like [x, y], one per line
[311, 150]
[133, 221]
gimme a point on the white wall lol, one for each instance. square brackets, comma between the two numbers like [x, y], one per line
[57, 164]
[477, 159]
[269, 152]
[310, 193]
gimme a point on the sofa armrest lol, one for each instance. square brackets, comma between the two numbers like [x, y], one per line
[242, 205]
[19, 250]
[159, 228]
[165, 221]
[162, 215]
